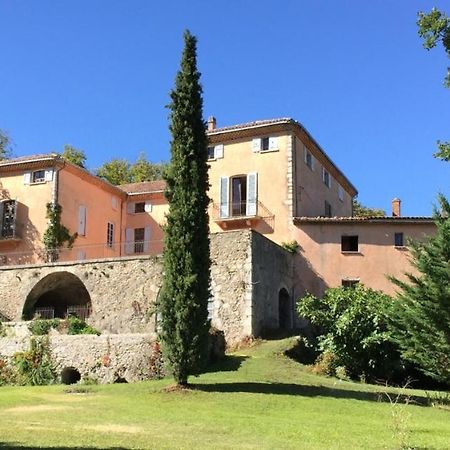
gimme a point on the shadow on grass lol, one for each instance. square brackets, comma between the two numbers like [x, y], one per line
[304, 391]
[14, 445]
[230, 363]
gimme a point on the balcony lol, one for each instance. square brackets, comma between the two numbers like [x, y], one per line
[236, 215]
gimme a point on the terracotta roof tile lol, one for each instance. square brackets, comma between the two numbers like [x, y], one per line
[256, 123]
[365, 219]
[143, 187]
[29, 158]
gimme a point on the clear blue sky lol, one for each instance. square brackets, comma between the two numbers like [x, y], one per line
[97, 73]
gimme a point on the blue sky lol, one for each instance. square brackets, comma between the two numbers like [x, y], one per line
[97, 74]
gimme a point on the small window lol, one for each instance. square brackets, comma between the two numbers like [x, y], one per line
[139, 236]
[110, 235]
[327, 209]
[8, 213]
[349, 243]
[139, 207]
[38, 176]
[398, 240]
[349, 283]
[264, 144]
[211, 153]
[326, 177]
[341, 193]
[309, 161]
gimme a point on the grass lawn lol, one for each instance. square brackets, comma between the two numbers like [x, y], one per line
[258, 399]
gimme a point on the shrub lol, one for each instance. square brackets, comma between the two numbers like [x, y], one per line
[7, 374]
[291, 247]
[353, 326]
[34, 367]
[78, 326]
[41, 327]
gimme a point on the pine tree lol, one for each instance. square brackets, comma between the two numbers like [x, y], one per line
[421, 313]
[186, 282]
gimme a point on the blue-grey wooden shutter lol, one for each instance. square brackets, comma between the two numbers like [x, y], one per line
[252, 194]
[224, 203]
[147, 232]
[129, 240]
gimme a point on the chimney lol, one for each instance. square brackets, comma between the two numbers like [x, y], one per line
[396, 207]
[211, 123]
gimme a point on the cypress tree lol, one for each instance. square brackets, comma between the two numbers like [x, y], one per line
[186, 284]
[421, 313]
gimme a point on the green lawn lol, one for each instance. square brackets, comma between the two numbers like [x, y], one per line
[259, 399]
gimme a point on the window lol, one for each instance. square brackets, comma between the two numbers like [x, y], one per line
[139, 236]
[341, 193]
[114, 202]
[398, 240]
[38, 176]
[265, 144]
[139, 207]
[215, 152]
[110, 235]
[8, 210]
[349, 243]
[238, 196]
[326, 177]
[309, 159]
[349, 282]
[82, 220]
[327, 209]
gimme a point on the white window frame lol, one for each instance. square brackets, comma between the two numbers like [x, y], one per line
[38, 180]
[272, 144]
[217, 152]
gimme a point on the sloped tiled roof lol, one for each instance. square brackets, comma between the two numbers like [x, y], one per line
[30, 158]
[143, 187]
[365, 219]
[254, 124]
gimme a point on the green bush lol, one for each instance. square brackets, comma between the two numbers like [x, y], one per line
[353, 327]
[34, 367]
[291, 247]
[78, 326]
[41, 327]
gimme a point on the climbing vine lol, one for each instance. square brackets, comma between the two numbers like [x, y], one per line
[56, 234]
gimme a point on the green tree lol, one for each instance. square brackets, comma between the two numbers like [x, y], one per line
[360, 210]
[116, 171]
[186, 284]
[74, 155]
[353, 324]
[434, 27]
[144, 170]
[5, 145]
[421, 314]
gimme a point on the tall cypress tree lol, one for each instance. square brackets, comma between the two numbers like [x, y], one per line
[186, 284]
[421, 314]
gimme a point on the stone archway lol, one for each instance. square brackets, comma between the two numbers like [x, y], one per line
[58, 295]
[284, 310]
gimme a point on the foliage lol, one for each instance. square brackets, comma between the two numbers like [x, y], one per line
[291, 247]
[434, 27]
[5, 145]
[34, 367]
[360, 210]
[7, 374]
[74, 156]
[120, 171]
[79, 326]
[186, 281]
[116, 171]
[353, 328]
[71, 325]
[41, 327]
[421, 314]
[144, 170]
[56, 234]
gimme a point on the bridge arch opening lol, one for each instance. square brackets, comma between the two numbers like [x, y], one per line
[58, 295]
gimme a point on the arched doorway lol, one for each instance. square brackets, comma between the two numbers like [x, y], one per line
[56, 296]
[284, 310]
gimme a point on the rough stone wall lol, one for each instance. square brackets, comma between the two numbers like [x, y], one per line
[104, 358]
[272, 270]
[123, 291]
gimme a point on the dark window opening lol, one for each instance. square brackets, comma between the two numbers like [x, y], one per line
[139, 236]
[284, 310]
[211, 153]
[327, 209]
[398, 239]
[348, 283]
[239, 196]
[38, 176]
[349, 243]
[265, 143]
[139, 207]
[110, 235]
